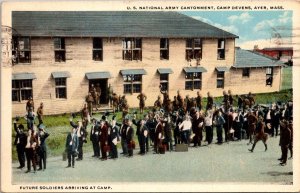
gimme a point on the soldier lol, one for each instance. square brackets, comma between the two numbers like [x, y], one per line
[42, 151]
[285, 141]
[30, 116]
[158, 104]
[94, 137]
[85, 115]
[260, 134]
[124, 106]
[98, 94]
[252, 121]
[251, 99]
[20, 142]
[115, 102]
[40, 113]
[180, 100]
[29, 104]
[230, 98]
[225, 100]
[110, 95]
[89, 99]
[142, 97]
[159, 135]
[210, 101]
[175, 104]
[199, 101]
[240, 101]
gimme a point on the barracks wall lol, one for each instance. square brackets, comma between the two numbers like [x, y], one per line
[79, 61]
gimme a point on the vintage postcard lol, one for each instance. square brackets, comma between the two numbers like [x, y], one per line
[146, 96]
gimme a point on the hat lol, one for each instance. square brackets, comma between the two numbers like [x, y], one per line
[113, 117]
[103, 117]
[42, 126]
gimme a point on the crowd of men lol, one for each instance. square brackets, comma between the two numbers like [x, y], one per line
[166, 125]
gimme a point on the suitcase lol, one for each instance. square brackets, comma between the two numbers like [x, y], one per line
[181, 147]
[162, 149]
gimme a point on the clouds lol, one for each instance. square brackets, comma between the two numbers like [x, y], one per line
[263, 43]
[229, 28]
[242, 18]
[269, 24]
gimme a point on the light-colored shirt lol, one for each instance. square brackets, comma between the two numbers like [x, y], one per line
[185, 125]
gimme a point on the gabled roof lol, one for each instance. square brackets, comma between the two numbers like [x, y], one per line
[249, 59]
[112, 24]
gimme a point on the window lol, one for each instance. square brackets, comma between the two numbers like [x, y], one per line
[164, 82]
[61, 88]
[97, 49]
[269, 76]
[59, 49]
[220, 79]
[21, 50]
[193, 49]
[246, 72]
[164, 49]
[193, 80]
[221, 49]
[132, 83]
[21, 90]
[132, 49]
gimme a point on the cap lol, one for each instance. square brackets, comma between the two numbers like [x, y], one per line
[42, 126]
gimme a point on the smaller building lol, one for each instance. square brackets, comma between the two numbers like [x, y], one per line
[285, 54]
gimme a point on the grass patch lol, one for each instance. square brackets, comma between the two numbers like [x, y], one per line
[287, 78]
[58, 125]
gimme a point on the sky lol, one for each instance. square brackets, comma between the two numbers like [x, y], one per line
[262, 28]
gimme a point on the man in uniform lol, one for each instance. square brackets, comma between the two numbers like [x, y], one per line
[89, 99]
[142, 97]
[110, 95]
[180, 100]
[199, 101]
[158, 104]
[210, 101]
[85, 115]
[98, 94]
[29, 104]
[40, 113]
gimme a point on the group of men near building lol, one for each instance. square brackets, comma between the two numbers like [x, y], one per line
[169, 123]
[31, 144]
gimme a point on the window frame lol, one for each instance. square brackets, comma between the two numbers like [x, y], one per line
[21, 88]
[221, 49]
[60, 86]
[193, 77]
[269, 75]
[191, 48]
[246, 72]
[164, 82]
[221, 77]
[97, 49]
[131, 83]
[16, 50]
[164, 49]
[60, 51]
[132, 49]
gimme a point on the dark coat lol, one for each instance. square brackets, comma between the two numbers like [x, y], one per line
[129, 134]
[43, 146]
[94, 135]
[72, 148]
[103, 136]
[285, 137]
[195, 125]
[20, 136]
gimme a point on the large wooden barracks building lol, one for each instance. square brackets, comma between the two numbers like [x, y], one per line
[58, 55]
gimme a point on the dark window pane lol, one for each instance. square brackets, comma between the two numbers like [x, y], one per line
[164, 77]
[197, 84]
[220, 74]
[197, 75]
[59, 43]
[137, 77]
[221, 54]
[60, 56]
[220, 83]
[15, 95]
[97, 43]
[164, 54]
[164, 43]
[24, 43]
[137, 55]
[15, 84]
[189, 43]
[60, 81]
[188, 85]
[26, 83]
[97, 55]
[197, 54]
[246, 72]
[197, 43]
[25, 94]
[221, 43]
[137, 88]
[189, 75]
[61, 93]
[127, 55]
[164, 86]
[127, 88]
[138, 43]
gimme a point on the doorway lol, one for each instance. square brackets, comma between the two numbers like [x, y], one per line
[102, 83]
